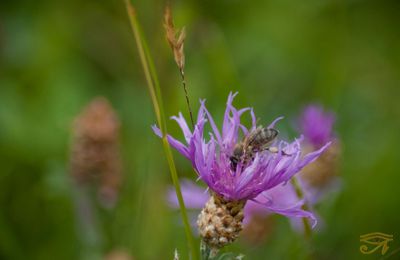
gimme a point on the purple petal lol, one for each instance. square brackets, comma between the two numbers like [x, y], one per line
[184, 126]
[283, 200]
[181, 148]
[193, 196]
[309, 158]
[272, 125]
[295, 211]
[213, 125]
[253, 120]
[226, 123]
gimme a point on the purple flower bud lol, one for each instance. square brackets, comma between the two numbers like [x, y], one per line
[317, 125]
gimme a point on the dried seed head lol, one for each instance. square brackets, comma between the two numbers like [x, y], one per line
[95, 157]
[175, 38]
[220, 221]
[324, 169]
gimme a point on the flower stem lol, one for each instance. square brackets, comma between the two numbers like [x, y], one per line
[306, 223]
[207, 253]
[300, 195]
[156, 98]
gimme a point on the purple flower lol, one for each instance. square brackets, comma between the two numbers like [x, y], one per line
[316, 125]
[320, 178]
[251, 180]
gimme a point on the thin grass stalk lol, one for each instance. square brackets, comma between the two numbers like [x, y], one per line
[142, 55]
[182, 72]
[155, 94]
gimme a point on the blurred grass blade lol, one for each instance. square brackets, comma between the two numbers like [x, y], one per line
[156, 98]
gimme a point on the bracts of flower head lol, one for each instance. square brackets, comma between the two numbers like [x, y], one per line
[320, 176]
[258, 169]
[95, 156]
[257, 223]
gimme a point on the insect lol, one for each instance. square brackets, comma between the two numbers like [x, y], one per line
[256, 141]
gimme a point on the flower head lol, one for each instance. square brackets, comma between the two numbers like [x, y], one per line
[317, 125]
[320, 177]
[250, 177]
[211, 159]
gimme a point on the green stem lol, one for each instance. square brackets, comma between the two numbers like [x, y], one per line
[207, 253]
[156, 98]
[306, 223]
[300, 195]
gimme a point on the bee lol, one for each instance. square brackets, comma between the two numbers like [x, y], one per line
[256, 141]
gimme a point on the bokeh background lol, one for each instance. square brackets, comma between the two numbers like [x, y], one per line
[56, 56]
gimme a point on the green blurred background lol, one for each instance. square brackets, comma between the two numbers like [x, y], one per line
[55, 56]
